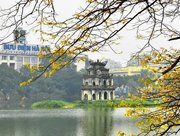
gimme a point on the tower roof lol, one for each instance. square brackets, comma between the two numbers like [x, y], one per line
[97, 63]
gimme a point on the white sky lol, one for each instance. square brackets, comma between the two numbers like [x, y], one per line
[128, 44]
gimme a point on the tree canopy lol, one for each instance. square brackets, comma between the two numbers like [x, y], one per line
[97, 25]
[163, 87]
[64, 85]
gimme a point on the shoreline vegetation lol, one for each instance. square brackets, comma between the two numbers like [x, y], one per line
[58, 104]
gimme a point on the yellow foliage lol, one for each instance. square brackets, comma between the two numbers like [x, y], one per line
[49, 2]
[163, 88]
[91, 1]
[124, 21]
[26, 82]
[56, 66]
[121, 133]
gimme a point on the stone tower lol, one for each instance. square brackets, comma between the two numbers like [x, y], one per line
[97, 83]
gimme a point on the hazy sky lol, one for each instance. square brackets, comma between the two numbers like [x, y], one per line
[128, 44]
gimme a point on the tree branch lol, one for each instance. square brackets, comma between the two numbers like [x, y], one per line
[172, 66]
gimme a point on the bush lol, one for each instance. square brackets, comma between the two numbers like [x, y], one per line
[51, 104]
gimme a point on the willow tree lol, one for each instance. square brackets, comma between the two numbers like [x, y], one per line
[99, 24]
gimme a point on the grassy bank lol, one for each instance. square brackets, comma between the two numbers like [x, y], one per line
[55, 104]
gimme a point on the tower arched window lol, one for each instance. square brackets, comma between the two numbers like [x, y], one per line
[85, 97]
[93, 97]
[105, 95]
[94, 84]
[99, 95]
[104, 82]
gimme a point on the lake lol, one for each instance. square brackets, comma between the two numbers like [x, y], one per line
[65, 122]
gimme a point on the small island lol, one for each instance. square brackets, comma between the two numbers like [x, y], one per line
[97, 91]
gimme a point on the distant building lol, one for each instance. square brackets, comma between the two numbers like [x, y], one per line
[97, 83]
[134, 62]
[127, 71]
[19, 53]
[113, 64]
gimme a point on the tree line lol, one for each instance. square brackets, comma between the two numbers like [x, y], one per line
[65, 85]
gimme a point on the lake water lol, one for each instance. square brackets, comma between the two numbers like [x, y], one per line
[65, 122]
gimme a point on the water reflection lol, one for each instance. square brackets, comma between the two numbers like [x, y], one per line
[39, 123]
[68, 122]
[38, 127]
[97, 122]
